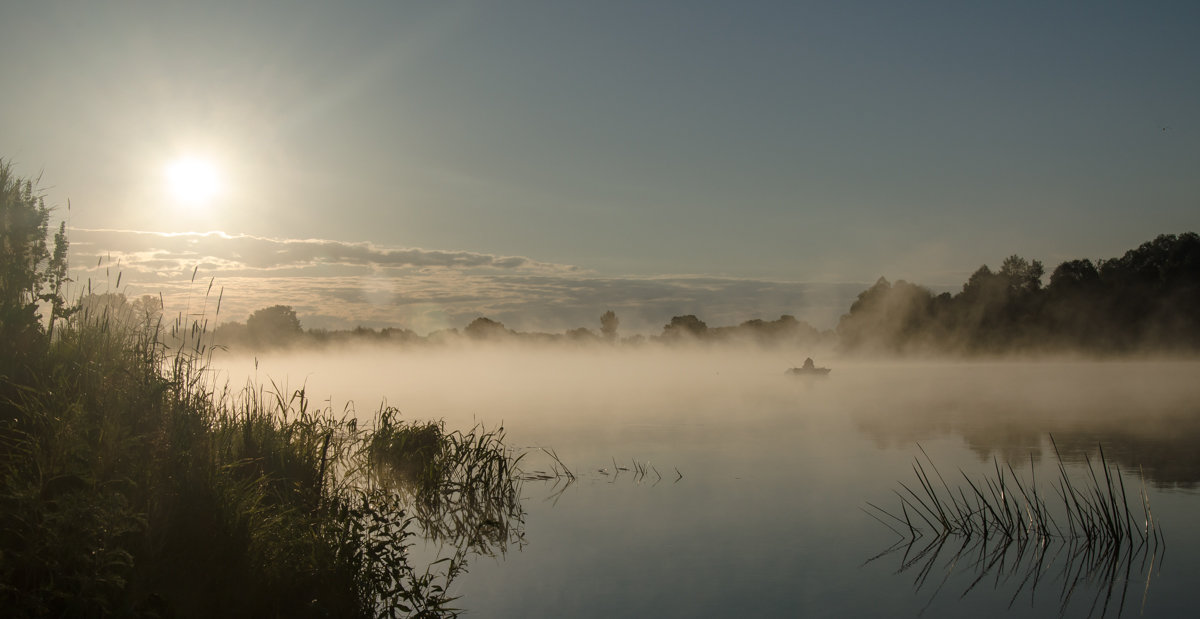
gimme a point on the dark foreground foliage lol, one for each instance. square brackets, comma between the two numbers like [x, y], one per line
[130, 490]
[130, 486]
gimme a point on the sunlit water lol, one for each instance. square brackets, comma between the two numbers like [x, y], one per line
[746, 491]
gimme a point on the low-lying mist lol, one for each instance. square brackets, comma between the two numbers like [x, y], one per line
[1146, 412]
[492, 382]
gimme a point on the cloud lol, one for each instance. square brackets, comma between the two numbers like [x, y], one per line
[220, 252]
[334, 284]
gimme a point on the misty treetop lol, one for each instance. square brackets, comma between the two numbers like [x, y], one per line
[1143, 301]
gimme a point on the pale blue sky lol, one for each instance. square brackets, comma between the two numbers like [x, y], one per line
[752, 141]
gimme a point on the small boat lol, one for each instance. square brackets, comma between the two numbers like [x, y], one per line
[809, 369]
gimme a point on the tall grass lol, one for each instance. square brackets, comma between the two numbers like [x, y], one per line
[1083, 533]
[464, 487]
[1095, 511]
[130, 485]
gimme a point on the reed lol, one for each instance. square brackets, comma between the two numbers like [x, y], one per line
[463, 487]
[1095, 511]
[1083, 533]
[131, 485]
[1102, 579]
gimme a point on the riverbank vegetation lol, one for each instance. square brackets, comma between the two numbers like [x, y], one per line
[131, 485]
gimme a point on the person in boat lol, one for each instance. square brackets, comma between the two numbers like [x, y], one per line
[808, 364]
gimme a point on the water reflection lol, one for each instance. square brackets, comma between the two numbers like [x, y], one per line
[1098, 582]
[1146, 415]
[1082, 533]
[767, 519]
[463, 488]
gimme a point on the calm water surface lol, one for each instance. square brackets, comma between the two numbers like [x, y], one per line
[768, 517]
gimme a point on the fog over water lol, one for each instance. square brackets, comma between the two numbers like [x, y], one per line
[994, 406]
[758, 480]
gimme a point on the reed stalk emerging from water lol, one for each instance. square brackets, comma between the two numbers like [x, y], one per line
[464, 488]
[1095, 512]
[1082, 534]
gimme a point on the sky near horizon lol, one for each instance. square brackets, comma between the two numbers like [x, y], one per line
[418, 163]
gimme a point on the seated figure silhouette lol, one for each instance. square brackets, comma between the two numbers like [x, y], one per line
[808, 364]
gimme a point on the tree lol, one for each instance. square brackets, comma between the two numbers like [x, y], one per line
[785, 331]
[1074, 275]
[274, 325]
[685, 326]
[147, 310]
[1021, 274]
[886, 317]
[486, 329]
[608, 325]
[581, 334]
[30, 273]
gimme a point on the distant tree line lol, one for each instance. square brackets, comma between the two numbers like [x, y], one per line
[1147, 300]
[1144, 301]
[279, 326]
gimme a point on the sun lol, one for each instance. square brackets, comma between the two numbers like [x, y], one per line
[193, 181]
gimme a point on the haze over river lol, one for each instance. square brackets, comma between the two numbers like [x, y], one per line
[753, 499]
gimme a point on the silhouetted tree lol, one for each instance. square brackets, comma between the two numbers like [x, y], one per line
[147, 309]
[1153, 291]
[486, 329]
[1073, 313]
[1021, 275]
[232, 334]
[30, 271]
[582, 334]
[1073, 276]
[274, 326]
[995, 309]
[786, 331]
[609, 324]
[887, 318]
[1146, 299]
[685, 326]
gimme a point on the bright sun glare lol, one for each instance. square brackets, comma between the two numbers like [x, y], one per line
[193, 181]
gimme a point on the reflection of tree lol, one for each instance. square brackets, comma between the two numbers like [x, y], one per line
[1163, 447]
[1144, 415]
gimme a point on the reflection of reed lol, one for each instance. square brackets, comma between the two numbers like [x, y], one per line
[1108, 571]
[1002, 527]
[463, 488]
[562, 478]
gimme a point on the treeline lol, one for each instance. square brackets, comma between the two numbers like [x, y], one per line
[1142, 302]
[279, 326]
